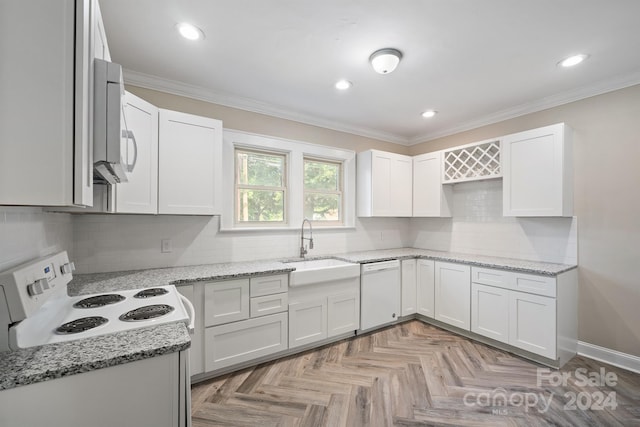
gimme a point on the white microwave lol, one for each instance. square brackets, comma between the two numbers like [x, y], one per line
[115, 151]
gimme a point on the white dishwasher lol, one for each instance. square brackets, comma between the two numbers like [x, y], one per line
[379, 294]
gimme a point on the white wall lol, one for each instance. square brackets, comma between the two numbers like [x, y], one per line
[478, 227]
[27, 233]
[125, 242]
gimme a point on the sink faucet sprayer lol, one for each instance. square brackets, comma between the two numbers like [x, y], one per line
[303, 250]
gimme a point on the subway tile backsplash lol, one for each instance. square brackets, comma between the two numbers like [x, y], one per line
[478, 227]
[101, 243]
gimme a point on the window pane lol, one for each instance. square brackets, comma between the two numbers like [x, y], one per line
[259, 205]
[322, 207]
[260, 169]
[321, 175]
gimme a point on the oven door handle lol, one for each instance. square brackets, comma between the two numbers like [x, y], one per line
[192, 313]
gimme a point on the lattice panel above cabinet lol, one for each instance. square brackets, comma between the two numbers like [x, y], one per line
[472, 162]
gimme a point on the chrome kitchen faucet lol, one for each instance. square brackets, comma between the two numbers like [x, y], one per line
[303, 250]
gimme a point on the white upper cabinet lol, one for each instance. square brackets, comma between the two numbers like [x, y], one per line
[430, 197]
[538, 172]
[47, 102]
[140, 194]
[384, 184]
[190, 164]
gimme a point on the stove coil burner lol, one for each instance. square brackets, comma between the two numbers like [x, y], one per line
[151, 292]
[81, 325]
[99, 301]
[147, 312]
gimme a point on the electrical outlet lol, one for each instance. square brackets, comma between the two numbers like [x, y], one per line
[166, 246]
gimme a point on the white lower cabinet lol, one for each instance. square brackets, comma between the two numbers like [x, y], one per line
[343, 313]
[490, 312]
[532, 323]
[238, 342]
[425, 287]
[408, 288]
[226, 302]
[323, 310]
[307, 322]
[453, 294]
[531, 312]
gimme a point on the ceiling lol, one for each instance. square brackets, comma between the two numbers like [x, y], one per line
[475, 62]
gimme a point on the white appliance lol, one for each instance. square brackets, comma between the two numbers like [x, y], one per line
[36, 310]
[379, 294]
[115, 151]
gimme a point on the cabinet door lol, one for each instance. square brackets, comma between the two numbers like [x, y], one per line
[401, 186]
[381, 185]
[532, 323]
[408, 281]
[140, 194]
[190, 163]
[453, 294]
[490, 312]
[343, 313]
[307, 322]
[196, 353]
[425, 291]
[226, 302]
[430, 197]
[239, 342]
[537, 172]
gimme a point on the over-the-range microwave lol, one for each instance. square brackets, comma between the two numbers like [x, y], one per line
[115, 150]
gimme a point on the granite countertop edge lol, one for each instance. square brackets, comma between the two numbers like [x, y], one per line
[36, 364]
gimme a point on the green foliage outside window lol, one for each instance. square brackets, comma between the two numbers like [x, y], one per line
[260, 182]
[322, 190]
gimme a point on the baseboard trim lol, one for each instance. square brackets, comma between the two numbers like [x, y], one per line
[612, 357]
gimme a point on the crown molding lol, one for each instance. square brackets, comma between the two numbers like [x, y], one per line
[604, 86]
[248, 104]
[174, 87]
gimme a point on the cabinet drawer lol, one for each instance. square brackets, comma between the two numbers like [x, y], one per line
[268, 285]
[226, 302]
[269, 304]
[239, 342]
[491, 277]
[533, 284]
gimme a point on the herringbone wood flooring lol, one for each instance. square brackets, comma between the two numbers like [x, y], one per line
[412, 374]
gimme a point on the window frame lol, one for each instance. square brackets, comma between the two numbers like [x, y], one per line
[339, 192]
[237, 186]
[295, 152]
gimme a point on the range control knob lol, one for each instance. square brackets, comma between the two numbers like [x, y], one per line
[68, 268]
[35, 288]
[44, 283]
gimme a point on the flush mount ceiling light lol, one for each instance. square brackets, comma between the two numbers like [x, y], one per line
[190, 32]
[429, 113]
[573, 60]
[384, 61]
[343, 84]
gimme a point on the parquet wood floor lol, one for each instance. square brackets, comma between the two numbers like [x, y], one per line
[414, 374]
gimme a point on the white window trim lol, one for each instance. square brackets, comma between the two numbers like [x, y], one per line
[296, 152]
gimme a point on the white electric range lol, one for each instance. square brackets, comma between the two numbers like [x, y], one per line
[36, 310]
[41, 312]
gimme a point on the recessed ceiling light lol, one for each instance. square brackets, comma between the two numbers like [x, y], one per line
[343, 84]
[429, 113]
[190, 32]
[573, 60]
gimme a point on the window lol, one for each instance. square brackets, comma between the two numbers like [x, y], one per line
[322, 190]
[261, 189]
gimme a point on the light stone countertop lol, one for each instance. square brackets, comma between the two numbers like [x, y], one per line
[51, 361]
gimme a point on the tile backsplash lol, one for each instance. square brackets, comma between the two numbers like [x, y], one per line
[27, 233]
[124, 242]
[101, 243]
[478, 227]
